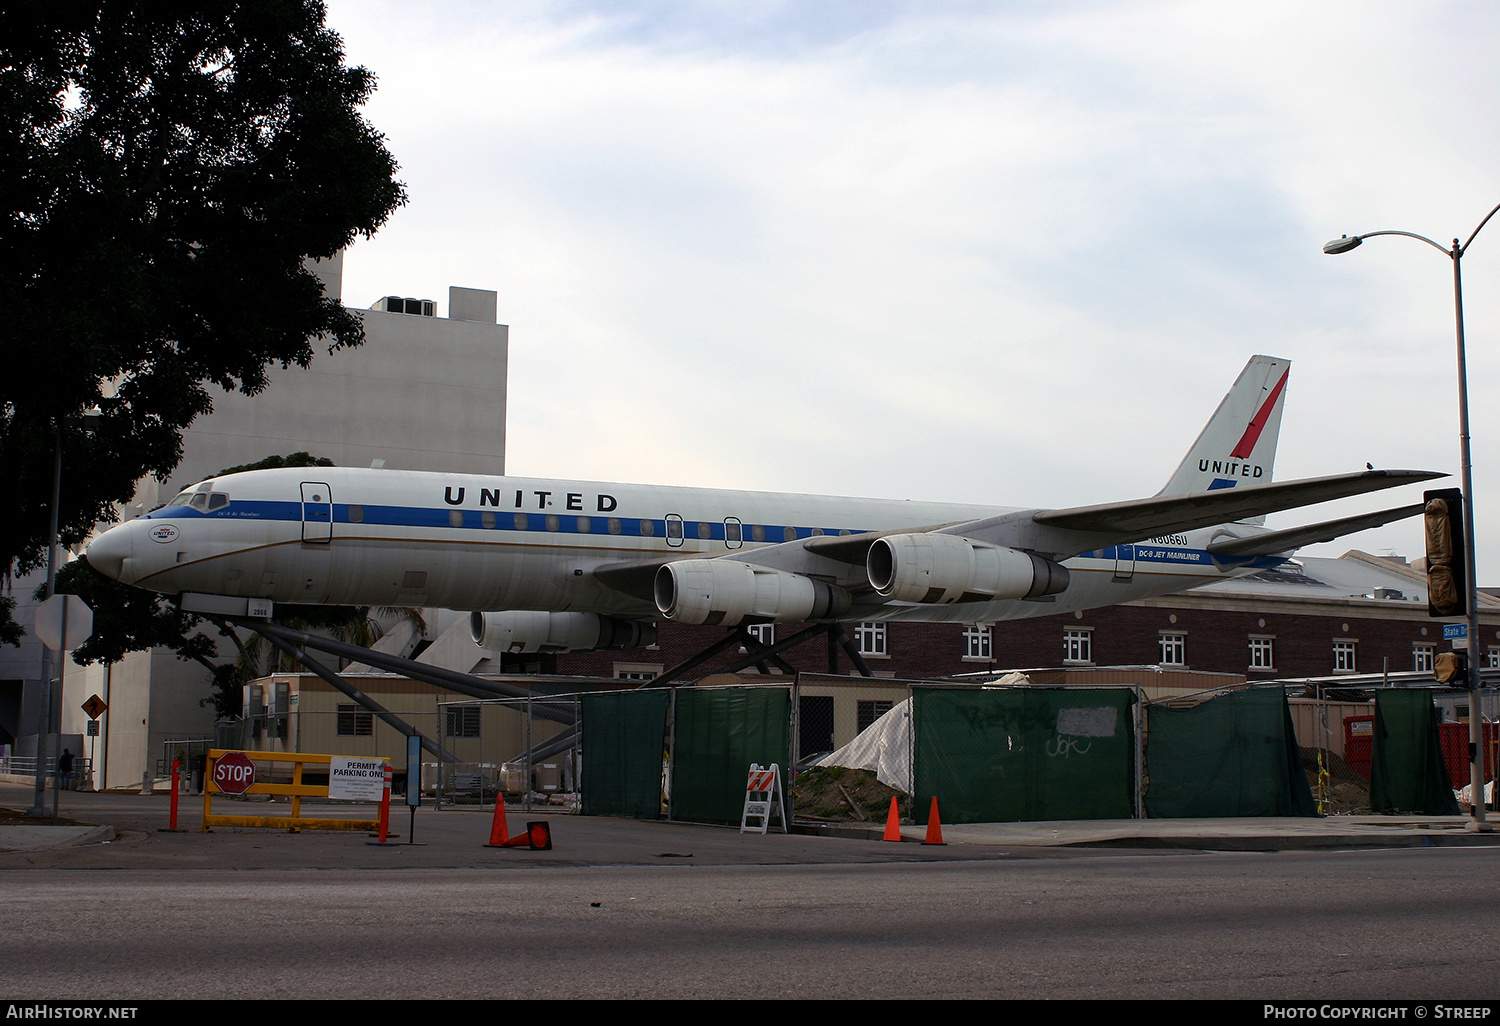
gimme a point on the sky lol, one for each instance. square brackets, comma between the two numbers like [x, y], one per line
[1000, 253]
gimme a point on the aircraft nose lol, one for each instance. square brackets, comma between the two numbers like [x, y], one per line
[108, 552]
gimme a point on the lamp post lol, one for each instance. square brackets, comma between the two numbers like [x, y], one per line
[1455, 253]
[91, 421]
[44, 723]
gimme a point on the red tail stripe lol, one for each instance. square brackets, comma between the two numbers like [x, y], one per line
[1258, 422]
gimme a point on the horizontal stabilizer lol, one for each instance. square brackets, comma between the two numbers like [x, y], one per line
[1296, 537]
[1136, 519]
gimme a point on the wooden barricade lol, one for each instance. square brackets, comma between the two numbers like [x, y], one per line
[220, 765]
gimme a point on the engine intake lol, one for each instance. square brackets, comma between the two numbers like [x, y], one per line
[522, 631]
[946, 568]
[718, 591]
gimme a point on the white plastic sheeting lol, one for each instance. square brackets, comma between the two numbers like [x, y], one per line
[885, 746]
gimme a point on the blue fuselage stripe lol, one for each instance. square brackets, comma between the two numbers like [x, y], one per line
[475, 519]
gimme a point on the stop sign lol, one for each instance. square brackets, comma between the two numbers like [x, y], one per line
[234, 773]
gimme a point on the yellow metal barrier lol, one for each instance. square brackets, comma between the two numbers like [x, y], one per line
[297, 790]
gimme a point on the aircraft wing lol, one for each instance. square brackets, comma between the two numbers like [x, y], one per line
[1066, 532]
[853, 548]
[636, 578]
[1070, 531]
[1296, 537]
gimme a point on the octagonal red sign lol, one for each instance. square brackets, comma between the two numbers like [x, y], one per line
[234, 772]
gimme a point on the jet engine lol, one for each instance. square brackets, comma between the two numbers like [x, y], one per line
[719, 591]
[945, 568]
[521, 631]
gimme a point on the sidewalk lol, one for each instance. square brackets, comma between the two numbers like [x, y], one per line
[123, 831]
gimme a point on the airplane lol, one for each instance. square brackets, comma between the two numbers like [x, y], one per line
[566, 566]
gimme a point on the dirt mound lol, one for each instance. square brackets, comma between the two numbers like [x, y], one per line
[845, 795]
[1348, 792]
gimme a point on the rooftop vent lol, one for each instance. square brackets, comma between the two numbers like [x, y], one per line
[1389, 593]
[396, 304]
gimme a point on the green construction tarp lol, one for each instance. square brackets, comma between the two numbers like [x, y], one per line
[624, 743]
[1235, 755]
[1013, 754]
[1407, 772]
[717, 735]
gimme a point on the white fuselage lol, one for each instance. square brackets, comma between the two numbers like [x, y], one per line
[385, 537]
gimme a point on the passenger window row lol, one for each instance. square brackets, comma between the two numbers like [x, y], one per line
[675, 527]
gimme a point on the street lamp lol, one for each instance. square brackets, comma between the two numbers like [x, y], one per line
[1455, 253]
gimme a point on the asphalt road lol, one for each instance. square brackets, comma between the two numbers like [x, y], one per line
[1416, 923]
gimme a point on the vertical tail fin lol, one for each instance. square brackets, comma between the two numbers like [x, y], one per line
[1238, 445]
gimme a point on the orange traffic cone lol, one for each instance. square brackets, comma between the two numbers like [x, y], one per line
[934, 828]
[540, 833]
[893, 823]
[537, 836]
[499, 834]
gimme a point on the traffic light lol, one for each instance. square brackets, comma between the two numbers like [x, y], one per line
[1450, 666]
[1447, 569]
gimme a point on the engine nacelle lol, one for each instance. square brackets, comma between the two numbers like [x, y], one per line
[522, 631]
[719, 591]
[945, 568]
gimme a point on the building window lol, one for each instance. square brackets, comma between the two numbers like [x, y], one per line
[765, 633]
[463, 721]
[1173, 649]
[977, 641]
[355, 722]
[1492, 657]
[1343, 657]
[869, 638]
[1421, 657]
[1262, 653]
[1078, 645]
[637, 671]
[868, 712]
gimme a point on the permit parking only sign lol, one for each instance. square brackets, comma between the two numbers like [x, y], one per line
[355, 779]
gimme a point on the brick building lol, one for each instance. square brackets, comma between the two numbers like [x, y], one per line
[1311, 617]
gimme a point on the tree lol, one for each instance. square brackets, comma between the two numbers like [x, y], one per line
[167, 169]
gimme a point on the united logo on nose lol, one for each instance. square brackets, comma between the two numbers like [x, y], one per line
[163, 533]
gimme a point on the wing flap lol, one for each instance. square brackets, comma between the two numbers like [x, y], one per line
[1296, 537]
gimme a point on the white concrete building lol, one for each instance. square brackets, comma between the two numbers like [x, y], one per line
[423, 393]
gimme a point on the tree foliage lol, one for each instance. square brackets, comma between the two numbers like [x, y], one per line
[166, 169]
[295, 459]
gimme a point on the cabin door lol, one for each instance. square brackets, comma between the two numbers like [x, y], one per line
[317, 512]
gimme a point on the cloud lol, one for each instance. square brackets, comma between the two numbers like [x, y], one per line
[990, 254]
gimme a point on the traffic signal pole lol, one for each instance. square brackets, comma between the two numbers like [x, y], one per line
[1471, 575]
[1455, 253]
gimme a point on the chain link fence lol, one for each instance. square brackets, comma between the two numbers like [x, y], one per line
[1332, 725]
[1002, 750]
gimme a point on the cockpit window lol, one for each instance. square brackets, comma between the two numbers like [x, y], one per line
[218, 500]
[199, 501]
[181, 499]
